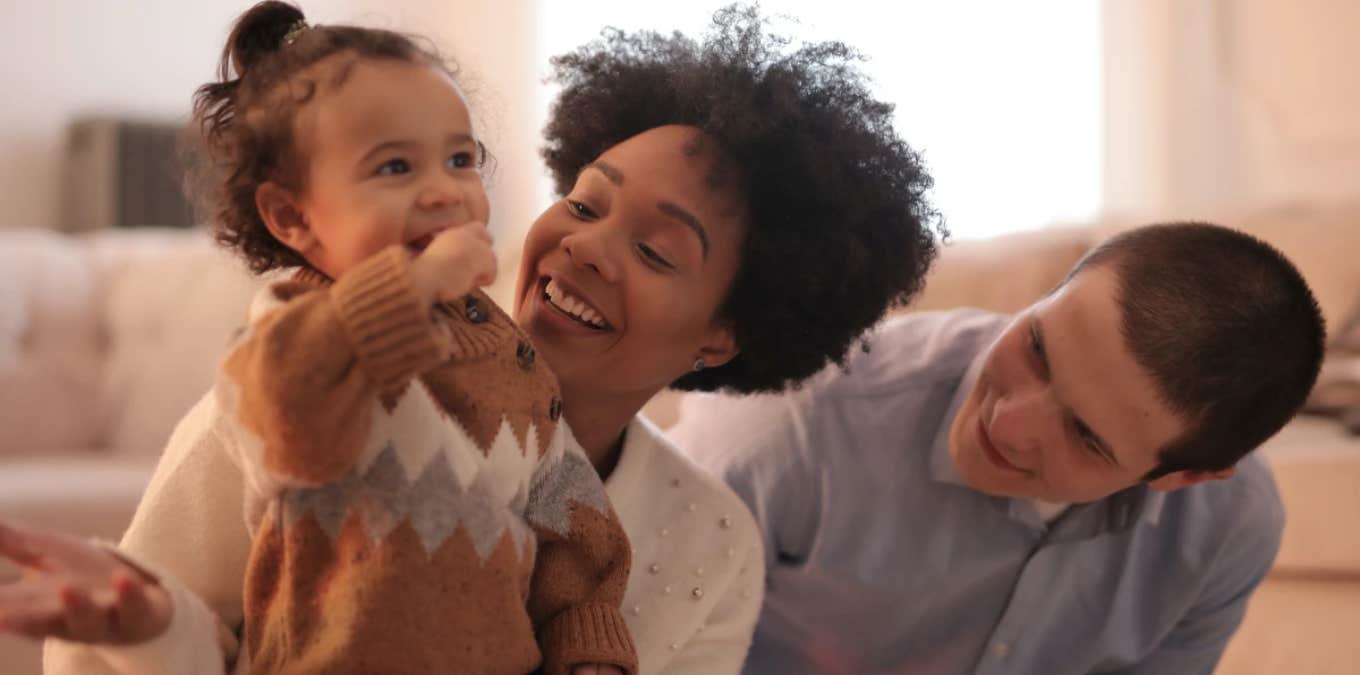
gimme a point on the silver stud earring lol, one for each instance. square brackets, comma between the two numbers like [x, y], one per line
[698, 364]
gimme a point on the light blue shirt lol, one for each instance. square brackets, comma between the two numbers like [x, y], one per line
[880, 560]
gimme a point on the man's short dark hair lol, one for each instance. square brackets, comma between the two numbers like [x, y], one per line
[1226, 325]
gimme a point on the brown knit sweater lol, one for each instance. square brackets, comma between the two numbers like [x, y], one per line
[414, 504]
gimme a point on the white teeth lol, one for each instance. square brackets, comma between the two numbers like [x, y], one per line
[572, 305]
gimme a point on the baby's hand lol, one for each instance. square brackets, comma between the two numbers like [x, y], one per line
[77, 591]
[597, 669]
[457, 261]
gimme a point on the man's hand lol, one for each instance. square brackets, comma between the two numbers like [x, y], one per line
[457, 261]
[76, 591]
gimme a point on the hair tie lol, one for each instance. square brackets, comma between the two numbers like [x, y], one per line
[294, 31]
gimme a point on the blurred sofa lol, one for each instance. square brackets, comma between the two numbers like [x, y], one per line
[107, 338]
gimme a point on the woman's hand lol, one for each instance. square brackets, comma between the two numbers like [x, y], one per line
[76, 591]
[458, 260]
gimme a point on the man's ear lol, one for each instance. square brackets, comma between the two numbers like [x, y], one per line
[720, 346]
[1183, 479]
[279, 209]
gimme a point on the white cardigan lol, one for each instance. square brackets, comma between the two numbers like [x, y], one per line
[693, 595]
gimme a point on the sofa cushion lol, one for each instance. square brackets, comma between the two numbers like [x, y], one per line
[49, 344]
[1317, 468]
[168, 318]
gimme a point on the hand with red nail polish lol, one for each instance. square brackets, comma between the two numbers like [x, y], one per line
[74, 590]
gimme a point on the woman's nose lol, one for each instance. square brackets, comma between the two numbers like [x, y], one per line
[591, 247]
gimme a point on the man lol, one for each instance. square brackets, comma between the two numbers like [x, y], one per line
[1062, 491]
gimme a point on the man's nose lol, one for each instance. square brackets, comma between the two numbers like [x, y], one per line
[1023, 420]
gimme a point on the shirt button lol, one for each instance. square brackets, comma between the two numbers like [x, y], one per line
[472, 309]
[524, 354]
[1001, 649]
[555, 409]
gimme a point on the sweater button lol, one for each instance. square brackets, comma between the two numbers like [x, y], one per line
[555, 409]
[524, 354]
[472, 309]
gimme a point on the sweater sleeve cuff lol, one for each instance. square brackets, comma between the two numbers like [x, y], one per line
[587, 634]
[389, 326]
[195, 642]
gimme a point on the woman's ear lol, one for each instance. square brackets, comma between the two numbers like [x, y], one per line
[720, 346]
[279, 209]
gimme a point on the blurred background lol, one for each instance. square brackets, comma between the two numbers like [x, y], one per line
[1047, 125]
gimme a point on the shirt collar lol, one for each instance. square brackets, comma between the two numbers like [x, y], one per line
[941, 466]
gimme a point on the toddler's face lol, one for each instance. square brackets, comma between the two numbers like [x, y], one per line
[391, 159]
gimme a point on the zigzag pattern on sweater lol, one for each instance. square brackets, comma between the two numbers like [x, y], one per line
[436, 501]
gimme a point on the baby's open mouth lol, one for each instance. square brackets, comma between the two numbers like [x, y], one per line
[418, 244]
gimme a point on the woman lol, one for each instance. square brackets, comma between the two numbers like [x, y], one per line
[734, 216]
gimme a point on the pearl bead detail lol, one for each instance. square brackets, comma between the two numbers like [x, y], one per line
[697, 593]
[698, 571]
[664, 532]
[691, 507]
[637, 609]
[725, 522]
[675, 646]
[667, 590]
[655, 568]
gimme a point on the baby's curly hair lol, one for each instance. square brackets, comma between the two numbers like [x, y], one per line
[839, 226]
[242, 131]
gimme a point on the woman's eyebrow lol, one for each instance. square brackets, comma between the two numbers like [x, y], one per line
[689, 220]
[669, 208]
[609, 170]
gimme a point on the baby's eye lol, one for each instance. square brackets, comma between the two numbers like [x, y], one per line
[462, 160]
[394, 167]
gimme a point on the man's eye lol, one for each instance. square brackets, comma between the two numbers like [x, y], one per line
[394, 167]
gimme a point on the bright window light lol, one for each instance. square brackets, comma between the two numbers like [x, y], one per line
[1002, 98]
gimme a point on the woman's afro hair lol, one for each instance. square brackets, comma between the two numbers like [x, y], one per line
[839, 228]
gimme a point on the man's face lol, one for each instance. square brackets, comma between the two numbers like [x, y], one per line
[1061, 411]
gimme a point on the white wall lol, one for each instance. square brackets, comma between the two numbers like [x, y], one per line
[1216, 106]
[1002, 98]
[67, 58]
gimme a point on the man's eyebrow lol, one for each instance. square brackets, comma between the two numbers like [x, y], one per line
[609, 170]
[1083, 429]
[689, 221]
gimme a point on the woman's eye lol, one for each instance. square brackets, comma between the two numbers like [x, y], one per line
[654, 257]
[462, 160]
[579, 210]
[394, 167]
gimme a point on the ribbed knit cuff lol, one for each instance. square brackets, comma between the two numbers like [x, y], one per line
[587, 634]
[389, 326]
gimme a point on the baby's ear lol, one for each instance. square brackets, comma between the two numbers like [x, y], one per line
[281, 213]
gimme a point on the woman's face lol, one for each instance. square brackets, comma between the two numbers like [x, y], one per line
[620, 280]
